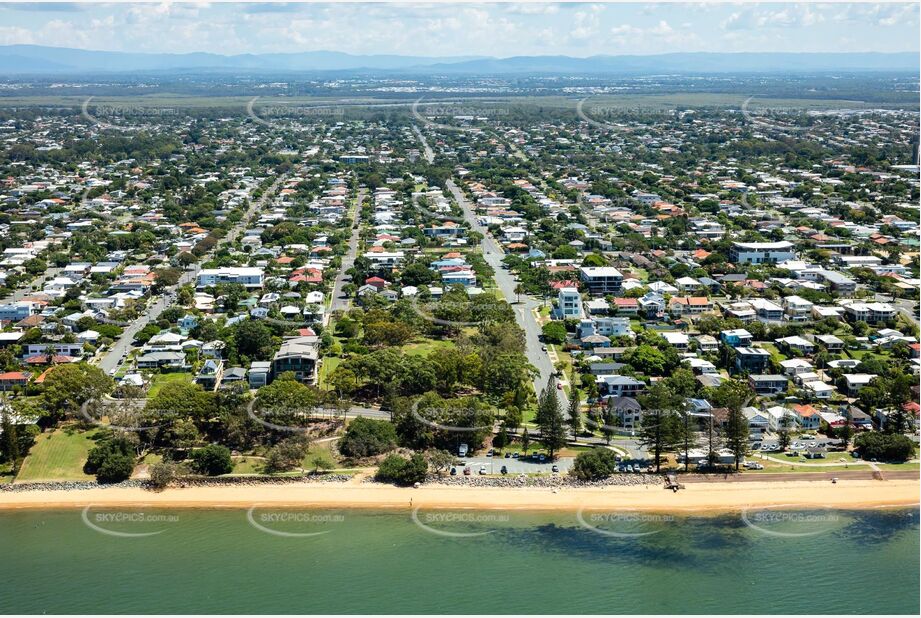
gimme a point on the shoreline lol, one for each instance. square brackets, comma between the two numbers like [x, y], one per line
[694, 498]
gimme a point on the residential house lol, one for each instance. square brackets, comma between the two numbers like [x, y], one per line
[767, 384]
[14, 379]
[619, 386]
[211, 374]
[751, 360]
[736, 337]
[259, 373]
[298, 355]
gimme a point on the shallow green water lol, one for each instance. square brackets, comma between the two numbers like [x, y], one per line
[385, 562]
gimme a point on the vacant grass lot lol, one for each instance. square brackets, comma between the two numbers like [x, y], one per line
[163, 380]
[59, 456]
[426, 346]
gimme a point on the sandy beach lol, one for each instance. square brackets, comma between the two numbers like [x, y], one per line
[702, 497]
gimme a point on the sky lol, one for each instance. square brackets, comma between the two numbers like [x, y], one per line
[464, 29]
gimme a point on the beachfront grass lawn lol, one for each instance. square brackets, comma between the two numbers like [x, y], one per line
[162, 380]
[151, 459]
[320, 451]
[248, 464]
[59, 455]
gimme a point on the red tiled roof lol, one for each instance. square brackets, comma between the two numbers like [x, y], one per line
[14, 375]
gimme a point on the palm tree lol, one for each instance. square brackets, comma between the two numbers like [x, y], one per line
[519, 290]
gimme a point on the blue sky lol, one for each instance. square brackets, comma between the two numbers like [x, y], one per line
[439, 29]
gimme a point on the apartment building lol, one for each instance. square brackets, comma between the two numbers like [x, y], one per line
[601, 279]
[248, 277]
[761, 252]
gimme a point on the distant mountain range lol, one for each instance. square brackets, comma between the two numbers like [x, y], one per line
[36, 59]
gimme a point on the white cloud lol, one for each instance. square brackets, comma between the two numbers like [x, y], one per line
[662, 28]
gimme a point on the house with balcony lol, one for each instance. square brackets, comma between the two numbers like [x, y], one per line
[807, 417]
[751, 360]
[298, 355]
[626, 306]
[689, 305]
[871, 313]
[767, 384]
[707, 343]
[211, 374]
[569, 304]
[830, 342]
[652, 305]
[601, 280]
[766, 310]
[736, 337]
[606, 326]
[259, 373]
[797, 309]
[619, 386]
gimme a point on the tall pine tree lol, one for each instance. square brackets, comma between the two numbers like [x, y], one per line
[550, 419]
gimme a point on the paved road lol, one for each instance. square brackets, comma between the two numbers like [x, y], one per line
[514, 466]
[340, 302]
[32, 287]
[506, 283]
[905, 307]
[113, 357]
[426, 150]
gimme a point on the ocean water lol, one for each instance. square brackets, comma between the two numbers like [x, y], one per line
[268, 560]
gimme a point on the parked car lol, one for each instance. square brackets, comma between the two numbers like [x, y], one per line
[555, 468]
[453, 471]
[514, 455]
[507, 455]
[482, 470]
[504, 470]
[467, 471]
